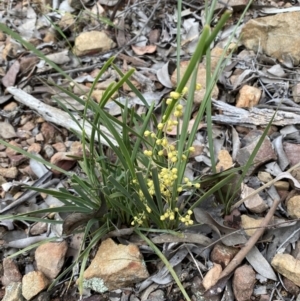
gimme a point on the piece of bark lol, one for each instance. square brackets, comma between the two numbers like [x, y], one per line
[253, 116]
[56, 115]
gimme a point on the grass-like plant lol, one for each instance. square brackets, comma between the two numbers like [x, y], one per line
[141, 187]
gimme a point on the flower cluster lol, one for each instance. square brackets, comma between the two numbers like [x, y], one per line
[167, 176]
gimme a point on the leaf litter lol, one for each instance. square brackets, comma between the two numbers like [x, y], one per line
[145, 34]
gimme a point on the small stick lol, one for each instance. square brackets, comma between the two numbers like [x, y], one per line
[239, 257]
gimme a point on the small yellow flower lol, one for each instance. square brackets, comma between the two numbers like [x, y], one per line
[162, 218]
[153, 135]
[174, 159]
[174, 170]
[197, 185]
[183, 157]
[147, 133]
[190, 212]
[177, 114]
[148, 153]
[174, 95]
[158, 141]
[160, 153]
[192, 149]
[179, 107]
[186, 180]
[184, 90]
[198, 87]
[179, 189]
[164, 142]
[169, 101]
[160, 126]
[191, 222]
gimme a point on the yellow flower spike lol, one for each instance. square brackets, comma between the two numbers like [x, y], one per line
[169, 101]
[198, 87]
[160, 153]
[192, 149]
[179, 107]
[185, 90]
[164, 170]
[153, 135]
[197, 185]
[160, 126]
[174, 95]
[147, 133]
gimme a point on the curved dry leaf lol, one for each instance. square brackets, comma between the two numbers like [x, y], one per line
[292, 180]
[140, 50]
[163, 76]
[260, 264]
[9, 78]
[163, 276]
[232, 238]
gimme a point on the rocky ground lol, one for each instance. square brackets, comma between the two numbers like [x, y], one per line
[261, 73]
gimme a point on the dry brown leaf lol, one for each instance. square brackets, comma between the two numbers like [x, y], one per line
[9, 78]
[140, 50]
